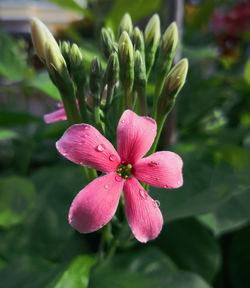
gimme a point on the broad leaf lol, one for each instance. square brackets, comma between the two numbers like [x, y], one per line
[144, 269]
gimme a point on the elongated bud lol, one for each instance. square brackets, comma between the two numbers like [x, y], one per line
[126, 58]
[112, 70]
[95, 78]
[140, 71]
[65, 50]
[138, 40]
[55, 61]
[174, 82]
[40, 37]
[152, 36]
[111, 33]
[169, 40]
[126, 24]
[77, 69]
[107, 44]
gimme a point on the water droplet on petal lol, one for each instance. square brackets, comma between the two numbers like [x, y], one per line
[156, 203]
[123, 121]
[143, 194]
[157, 178]
[153, 129]
[152, 163]
[106, 186]
[86, 127]
[85, 135]
[179, 182]
[81, 163]
[64, 154]
[118, 178]
[100, 148]
[112, 157]
[165, 186]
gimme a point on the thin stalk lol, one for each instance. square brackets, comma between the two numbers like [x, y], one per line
[128, 97]
[80, 94]
[141, 94]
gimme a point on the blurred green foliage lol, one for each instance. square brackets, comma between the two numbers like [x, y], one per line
[206, 236]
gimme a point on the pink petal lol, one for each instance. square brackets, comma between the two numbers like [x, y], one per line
[58, 115]
[135, 135]
[84, 145]
[144, 216]
[95, 205]
[161, 169]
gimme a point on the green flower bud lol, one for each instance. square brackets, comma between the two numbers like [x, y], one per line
[152, 36]
[126, 24]
[138, 40]
[169, 40]
[107, 44]
[77, 70]
[55, 61]
[40, 37]
[111, 33]
[126, 58]
[174, 82]
[140, 71]
[95, 77]
[112, 70]
[65, 50]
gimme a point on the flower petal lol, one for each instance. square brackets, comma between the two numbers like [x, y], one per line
[144, 216]
[84, 145]
[95, 205]
[135, 135]
[161, 169]
[58, 115]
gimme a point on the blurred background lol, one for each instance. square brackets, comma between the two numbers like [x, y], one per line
[206, 238]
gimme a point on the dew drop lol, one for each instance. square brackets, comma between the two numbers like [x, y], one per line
[81, 163]
[64, 154]
[112, 157]
[153, 129]
[157, 178]
[86, 127]
[165, 186]
[85, 135]
[106, 187]
[99, 148]
[143, 194]
[179, 182]
[156, 203]
[123, 121]
[118, 178]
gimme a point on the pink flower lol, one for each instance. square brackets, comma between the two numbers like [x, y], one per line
[95, 205]
[55, 116]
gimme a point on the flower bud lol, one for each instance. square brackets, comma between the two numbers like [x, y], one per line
[126, 58]
[169, 40]
[152, 36]
[140, 71]
[107, 44]
[112, 70]
[55, 61]
[126, 24]
[65, 50]
[111, 33]
[77, 70]
[138, 40]
[174, 82]
[40, 37]
[95, 77]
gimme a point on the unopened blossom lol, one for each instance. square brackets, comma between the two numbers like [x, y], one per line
[95, 205]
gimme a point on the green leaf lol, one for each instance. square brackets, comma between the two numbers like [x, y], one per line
[200, 254]
[11, 118]
[77, 274]
[73, 5]
[229, 216]
[24, 271]
[50, 230]
[7, 134]
[137, 10]
[17, 200]
[43, 83]
[143, 269]
[12, 62]
[212, 175]
[247, 71]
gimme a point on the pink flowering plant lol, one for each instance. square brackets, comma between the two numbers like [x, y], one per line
[108, 108]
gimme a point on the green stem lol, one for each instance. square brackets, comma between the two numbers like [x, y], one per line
[110, 92]
[82, 104]
[128, 97]
[141, 93]
[98, 122]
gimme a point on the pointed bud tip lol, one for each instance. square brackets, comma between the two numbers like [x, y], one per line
[152, 31]
[126, 24]
[170, 38]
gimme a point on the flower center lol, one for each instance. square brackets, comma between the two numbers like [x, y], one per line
[124, 170]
